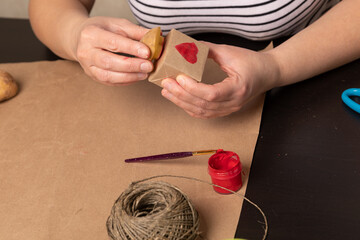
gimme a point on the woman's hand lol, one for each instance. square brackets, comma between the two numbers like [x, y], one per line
[96, 43]
[249, 74]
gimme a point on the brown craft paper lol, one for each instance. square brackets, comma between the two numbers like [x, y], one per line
[64, 137]
[172, 63]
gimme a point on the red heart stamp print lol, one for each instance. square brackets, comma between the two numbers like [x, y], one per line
[188, 51]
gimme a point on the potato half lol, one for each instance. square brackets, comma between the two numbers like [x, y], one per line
[8, 86]
[154, 41]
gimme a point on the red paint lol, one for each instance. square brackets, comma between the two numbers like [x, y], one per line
[225, 169]
[189, 51]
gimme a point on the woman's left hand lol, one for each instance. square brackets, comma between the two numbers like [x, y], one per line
[249, 74]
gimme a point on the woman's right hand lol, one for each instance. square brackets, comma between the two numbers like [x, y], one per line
[98, 40]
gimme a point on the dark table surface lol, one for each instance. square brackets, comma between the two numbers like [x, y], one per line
[305, 173]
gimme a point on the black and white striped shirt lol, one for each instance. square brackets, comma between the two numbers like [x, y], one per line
[252, 19]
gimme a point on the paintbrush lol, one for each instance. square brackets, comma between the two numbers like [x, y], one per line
[169, 156]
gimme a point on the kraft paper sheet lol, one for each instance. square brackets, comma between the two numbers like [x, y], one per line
[64, 137]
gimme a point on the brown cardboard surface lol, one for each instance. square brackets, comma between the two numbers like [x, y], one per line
[172, 63]
[64, 137]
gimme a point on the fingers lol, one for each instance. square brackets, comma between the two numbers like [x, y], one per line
[178, 94]
[102, 39]
[212, 93]
[134, 31]
[115, 78]
[97, 50]
[199, 100]
[191, 109]
[117, 63]
[107, 67]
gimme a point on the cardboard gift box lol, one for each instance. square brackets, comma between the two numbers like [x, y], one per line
[181, 55]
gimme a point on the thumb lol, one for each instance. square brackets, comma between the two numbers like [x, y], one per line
[216, 52]
[221, 54]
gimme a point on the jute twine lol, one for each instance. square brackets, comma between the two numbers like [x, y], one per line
[154, 210]
[158, 210]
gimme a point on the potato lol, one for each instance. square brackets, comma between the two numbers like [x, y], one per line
[8, 86]
[154, 41]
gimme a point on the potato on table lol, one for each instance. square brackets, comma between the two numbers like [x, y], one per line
[8, 86]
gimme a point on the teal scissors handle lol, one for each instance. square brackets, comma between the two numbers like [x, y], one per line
[348, 101]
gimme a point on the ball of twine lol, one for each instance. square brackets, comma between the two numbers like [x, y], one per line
[155, 210]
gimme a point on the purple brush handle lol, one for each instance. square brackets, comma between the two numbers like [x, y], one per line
[160, 157]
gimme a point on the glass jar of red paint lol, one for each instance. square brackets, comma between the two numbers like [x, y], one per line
[225, 168]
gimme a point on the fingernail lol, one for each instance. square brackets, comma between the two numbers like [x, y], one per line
[165, 83]
[165, 93]
[142, 76]
[146, 67]
[143, 52]
[180, 80]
